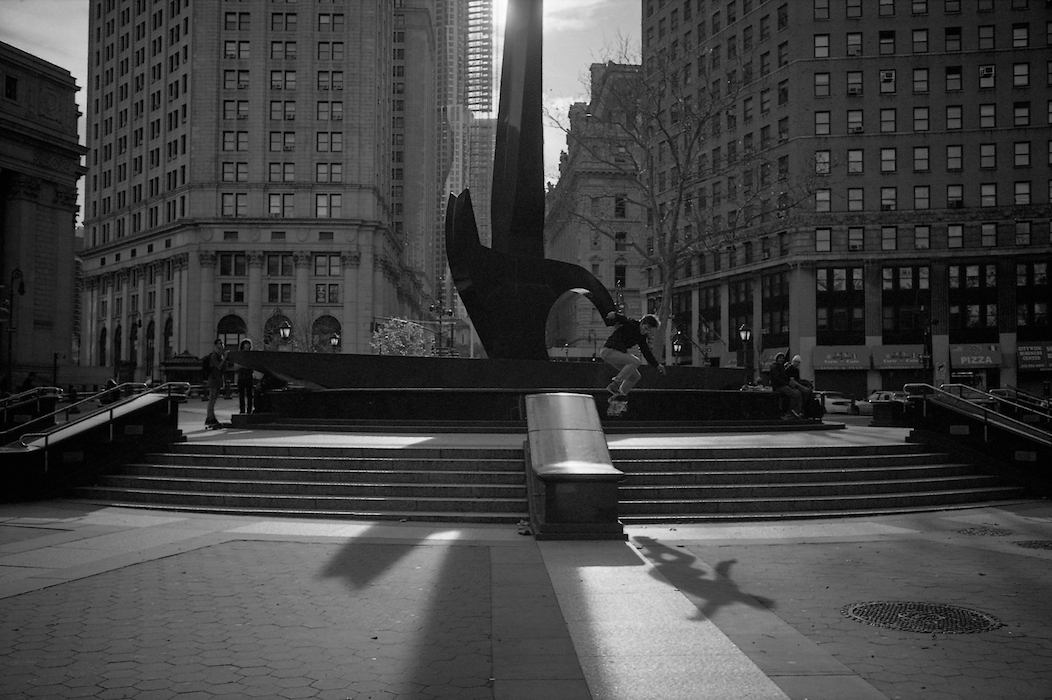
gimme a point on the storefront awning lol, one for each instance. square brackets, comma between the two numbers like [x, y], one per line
[1035, 356]
[841, 357]
[898, 357]
[767, 357]
[975, 356]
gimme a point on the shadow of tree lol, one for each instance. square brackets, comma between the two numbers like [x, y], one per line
[711, 589]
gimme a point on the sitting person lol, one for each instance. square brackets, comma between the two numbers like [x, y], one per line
[806, 388]
[781, 383]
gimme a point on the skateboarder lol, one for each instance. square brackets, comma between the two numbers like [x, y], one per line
[216, 360]
[627, 334]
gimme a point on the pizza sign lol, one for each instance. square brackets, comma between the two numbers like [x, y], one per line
[976, 355]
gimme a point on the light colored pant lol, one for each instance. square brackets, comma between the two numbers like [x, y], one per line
[627, 363]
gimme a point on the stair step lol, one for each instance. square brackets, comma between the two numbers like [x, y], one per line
[799, 490]
[770, 463]
[795, 476]
[327, 462]
[334, 489]
[336, 475]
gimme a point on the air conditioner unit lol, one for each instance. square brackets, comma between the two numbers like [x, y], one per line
[956, 204]
[854, 50]
[887, 76]
[275, 216]
[289, 148]
[855, 129]
[855, 246]
[275, 86]
[337, 117]
[986, 71]
[230, 55]
[290, 117]
[337, 87]
[242, 86]
[766, 255]
[785, 329]
[323, 87]
[887, 207]
[242, 116]
[854, 89]
[290, 55]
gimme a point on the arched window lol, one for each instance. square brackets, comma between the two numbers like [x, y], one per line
[118, 345]
[102, 347]
[323, 331]
[169, 331]
[151, 344]
[232, 330]
[272, 331]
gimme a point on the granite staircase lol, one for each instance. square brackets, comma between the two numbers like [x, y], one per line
[487, 485]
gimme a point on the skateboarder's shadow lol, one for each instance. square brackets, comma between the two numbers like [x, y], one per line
[710, 589]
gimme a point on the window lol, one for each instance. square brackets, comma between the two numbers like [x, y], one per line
[1022, 192]
[821, 123]
[328, 172]
[822, 162]
[986, 77]
[1021, 75]
[283, 21]
[953, 39]
[620, 206]
[955, 157]
[854, 83]
[889, 198]
[889, 238]
[955, 236]
[922, 237]
[821, 45]
[823, 240]
[856, 199]
[330, 22]
[921, 159]
[953, 78]
[281, 205]
[854, 121]
[988, 116]
[854, 9]
[886, 8]
[1022, 154]
[920, 119]
[283, 110]
[1022, 233]
[1021, 114]
[821, 9]
[330, 51]
[921, 197]
[988, 236]
[282, 80]
[822, 200]
[987, 40]
[235, 204]
[328, 206]
[886, 45]
[282, 141]
[280, 265]
[329, 141]
[854, 44]
[920, 7]
[279, 293]
[988, 155]
[281, 172]
[821, 87]
[235, 172]
[887, 82]
[988, 194]
[953, 117]
[856, 238]
[955, 196]
[887, 120]
[854, 160]
[1020, 36]
[887, 160]
[920, 41]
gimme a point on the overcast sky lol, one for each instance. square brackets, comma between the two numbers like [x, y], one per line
[577, 34]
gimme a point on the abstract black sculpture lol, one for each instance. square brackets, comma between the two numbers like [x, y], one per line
[509, 289]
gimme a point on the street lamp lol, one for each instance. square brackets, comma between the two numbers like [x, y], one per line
[285, 331]
[440, 311]
[745, 334]
[16, 276]
[335, 342]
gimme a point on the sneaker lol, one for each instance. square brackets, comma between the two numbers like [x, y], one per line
[615, 388]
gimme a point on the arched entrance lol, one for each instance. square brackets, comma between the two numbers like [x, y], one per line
[272, 332]
[326, 334]
[232, 329]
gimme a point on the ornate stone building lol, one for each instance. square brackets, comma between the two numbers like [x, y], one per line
[39, 168]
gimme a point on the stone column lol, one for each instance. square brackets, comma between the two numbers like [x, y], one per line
[254, 295]
[206, 303]
[180, 311]
[365, 312]
[352, 340]
[302, 296]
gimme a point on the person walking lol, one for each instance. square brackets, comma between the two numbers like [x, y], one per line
[629, 333]
[216, 361]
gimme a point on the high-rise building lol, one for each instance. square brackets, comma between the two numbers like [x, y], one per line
[257, 170]
[922, 130]
[39, 168]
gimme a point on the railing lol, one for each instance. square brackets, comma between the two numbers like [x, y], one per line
[982, 406]
[176, 389]
[42, 392]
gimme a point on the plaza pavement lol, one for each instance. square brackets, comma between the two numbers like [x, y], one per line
[106, 602]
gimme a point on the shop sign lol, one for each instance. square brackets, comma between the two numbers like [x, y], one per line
[975, 355]
[1035, 356]
[841, 357]
[898, 357]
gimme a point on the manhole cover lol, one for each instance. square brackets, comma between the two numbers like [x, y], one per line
[985, 532]
[920, 617]
[1035, 544]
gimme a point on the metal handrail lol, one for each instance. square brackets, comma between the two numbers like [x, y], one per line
[30, 394]
[988, 416]
[1001, 400]
[171, 388]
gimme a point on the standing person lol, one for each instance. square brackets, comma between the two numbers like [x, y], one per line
[629, 333]
[244, 382]
[216, 360]
[780, 382]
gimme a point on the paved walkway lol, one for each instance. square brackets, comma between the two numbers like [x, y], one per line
[110, 603]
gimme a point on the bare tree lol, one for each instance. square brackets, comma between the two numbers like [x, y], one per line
[678, 134]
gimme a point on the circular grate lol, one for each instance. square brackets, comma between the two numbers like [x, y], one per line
[1035, 544]
[920, 617]
[985, 532]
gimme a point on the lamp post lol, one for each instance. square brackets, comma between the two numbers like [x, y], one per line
[334, 341]
[592, 338]
[745, 334]
[16, 276]
[441, 312]
[285, 331]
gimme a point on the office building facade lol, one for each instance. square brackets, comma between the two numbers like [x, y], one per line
[923, 132]
[255, 166]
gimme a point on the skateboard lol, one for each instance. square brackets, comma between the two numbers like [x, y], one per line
[616, 406]
[217, 426]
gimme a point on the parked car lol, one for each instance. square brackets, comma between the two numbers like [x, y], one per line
[836, 402]
[865, 407]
